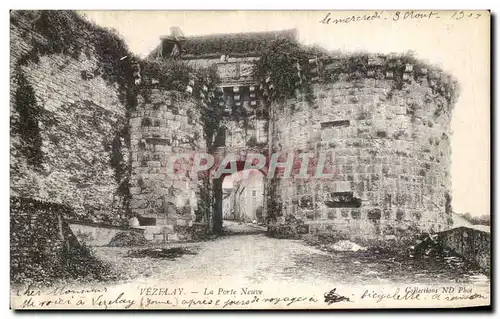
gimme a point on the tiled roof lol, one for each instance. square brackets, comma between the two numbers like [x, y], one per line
[235, 44]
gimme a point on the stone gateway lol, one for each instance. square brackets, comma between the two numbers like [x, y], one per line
[102, 144]
[385, 126]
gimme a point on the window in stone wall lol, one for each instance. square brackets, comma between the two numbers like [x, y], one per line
[343, 199]
[335, 123]
[261, 132]
[400, 215]
[147, 221]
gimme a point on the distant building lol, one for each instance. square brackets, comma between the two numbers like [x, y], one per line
[248, 198]
[227, 204]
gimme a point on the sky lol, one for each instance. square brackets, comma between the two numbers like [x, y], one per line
[457, 43]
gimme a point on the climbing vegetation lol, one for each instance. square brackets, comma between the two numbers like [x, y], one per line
[278, 63]
[27, 124]
[66, 32]
[285, 66]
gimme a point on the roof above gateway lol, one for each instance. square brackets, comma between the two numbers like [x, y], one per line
[244, 44]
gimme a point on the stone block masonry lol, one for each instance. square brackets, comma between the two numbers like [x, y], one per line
[76, 142]
[99, 235]
[391, 158]
[165, 124]
[83, 131]
[472, 244]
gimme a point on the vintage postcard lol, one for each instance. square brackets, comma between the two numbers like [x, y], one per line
[249, 159]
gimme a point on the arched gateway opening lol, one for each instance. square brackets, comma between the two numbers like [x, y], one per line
[243, 202]
[239, 195]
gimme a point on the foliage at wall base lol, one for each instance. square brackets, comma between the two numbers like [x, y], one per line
[45, 250]
[203, 212]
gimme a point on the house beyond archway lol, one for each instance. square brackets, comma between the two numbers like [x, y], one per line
[243, 197]
[238, 165]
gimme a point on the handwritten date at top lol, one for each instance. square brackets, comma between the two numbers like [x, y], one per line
[460, 15]
[408, 15]
[398, 16]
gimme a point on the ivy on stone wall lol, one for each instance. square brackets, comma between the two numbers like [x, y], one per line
[400, 68]
[175, 75]
[204, 209]
[447, 206]
[59, 30]
[66, 32]
[27, 124]
[121, 167]
[274, 204]
[288, 66]
[278, 62]
[211, 112]
[169, 75]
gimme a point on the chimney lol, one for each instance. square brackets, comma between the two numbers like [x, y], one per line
[176, 33]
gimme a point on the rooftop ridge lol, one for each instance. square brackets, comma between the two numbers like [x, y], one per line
[229, 34]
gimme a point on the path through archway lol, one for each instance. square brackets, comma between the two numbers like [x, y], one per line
[239, 197]
[243, 202]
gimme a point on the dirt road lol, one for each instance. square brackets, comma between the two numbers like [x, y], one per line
[248, 256]
[247, 266]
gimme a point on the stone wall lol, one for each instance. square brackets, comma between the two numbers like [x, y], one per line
[42, 245]
[98, 235]
[166, 123]
[245, 121]
[472, 244]
[390, 158]
[82, 143]
[74, 141]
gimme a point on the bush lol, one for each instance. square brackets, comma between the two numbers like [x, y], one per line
[45, 250]
[123, 239]
[171, 74]
[477, 220]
